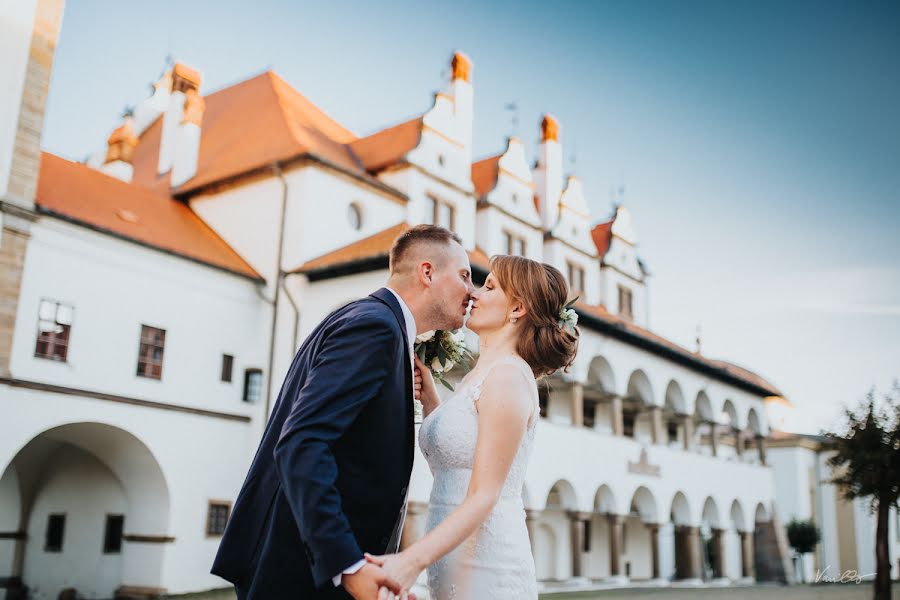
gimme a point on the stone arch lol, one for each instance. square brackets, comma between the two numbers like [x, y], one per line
[561, 496]
[600, 375]
[643, 502]
[605, 500]
[680, 510]
[738, 519]
[639, 388]
[754, 423]
[710, 515]
[703, 410]
[729, 415]
[761, 513]
[674, 401]
[125, 479]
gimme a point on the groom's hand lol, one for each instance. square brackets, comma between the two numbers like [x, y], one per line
[365, 583]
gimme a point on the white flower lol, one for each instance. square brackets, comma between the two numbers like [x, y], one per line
[424, 337]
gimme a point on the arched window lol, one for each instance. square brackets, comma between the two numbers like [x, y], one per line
[354, 216]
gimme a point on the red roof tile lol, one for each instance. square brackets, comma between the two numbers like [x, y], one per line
[388, 146]
[484, 175]
[79, 193]
[602, 235]
[375, 245]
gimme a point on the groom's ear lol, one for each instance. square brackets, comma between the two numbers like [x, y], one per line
[425, 272]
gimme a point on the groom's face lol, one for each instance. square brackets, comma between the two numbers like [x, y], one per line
[450, 288]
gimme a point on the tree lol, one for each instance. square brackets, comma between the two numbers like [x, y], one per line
[803, 537]
[866, 464]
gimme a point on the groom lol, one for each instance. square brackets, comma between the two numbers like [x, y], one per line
[330, 477]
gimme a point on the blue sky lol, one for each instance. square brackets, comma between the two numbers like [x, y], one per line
[758, 143]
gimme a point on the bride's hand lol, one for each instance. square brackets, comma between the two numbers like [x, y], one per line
[425, 388]
[401, 567]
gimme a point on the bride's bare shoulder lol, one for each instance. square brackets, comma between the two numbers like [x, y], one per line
[508, 386]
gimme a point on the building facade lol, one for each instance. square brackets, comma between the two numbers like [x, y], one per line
[166, 284]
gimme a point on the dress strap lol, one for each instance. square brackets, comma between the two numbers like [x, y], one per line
[510, 359]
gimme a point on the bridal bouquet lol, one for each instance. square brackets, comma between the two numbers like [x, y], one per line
[441, 350]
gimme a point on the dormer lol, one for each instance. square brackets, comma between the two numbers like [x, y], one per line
[623, 275]
[507, 220]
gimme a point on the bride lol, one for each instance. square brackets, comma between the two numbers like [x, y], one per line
[478, 440]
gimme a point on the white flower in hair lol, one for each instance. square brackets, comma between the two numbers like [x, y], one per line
[568, 318]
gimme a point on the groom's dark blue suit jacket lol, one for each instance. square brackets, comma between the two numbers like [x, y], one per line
[329, 478]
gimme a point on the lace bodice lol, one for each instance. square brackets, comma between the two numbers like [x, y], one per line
[448, 434]
[495, 561]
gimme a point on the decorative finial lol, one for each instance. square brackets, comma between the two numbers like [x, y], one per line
[462, 66]
[549, 128]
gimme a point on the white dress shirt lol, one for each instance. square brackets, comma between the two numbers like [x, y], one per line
[410, 322]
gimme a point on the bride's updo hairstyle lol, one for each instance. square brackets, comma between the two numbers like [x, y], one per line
[542, 289]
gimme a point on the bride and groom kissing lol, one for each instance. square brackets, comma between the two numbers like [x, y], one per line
[329, 482]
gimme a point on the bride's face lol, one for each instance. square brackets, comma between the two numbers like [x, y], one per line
[490, 307]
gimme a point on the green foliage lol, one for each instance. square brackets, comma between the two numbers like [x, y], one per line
[866, 460]
[803, 535]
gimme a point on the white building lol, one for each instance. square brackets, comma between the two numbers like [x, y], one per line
[166, 285]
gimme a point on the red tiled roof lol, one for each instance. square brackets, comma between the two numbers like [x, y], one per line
[79, 193]
[249, 125]
[484, 175]
[602, 235]
[375, 245]
[388, 146]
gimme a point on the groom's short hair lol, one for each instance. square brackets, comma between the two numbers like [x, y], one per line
[406, 246]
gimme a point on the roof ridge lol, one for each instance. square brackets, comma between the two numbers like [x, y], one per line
[282, 88]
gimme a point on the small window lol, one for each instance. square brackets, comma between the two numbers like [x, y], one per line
[56, 528]
[625, 308]
[54, 323]
[429, 212]
[252, 385]
[354, 216]
[628, 424]
[217, 517]
[576, 277]
[515, 198]
[227, 365]
[112, 535]
[515, 245]
[445, 216]
[440, 159]
[672, 429]
[150, 354]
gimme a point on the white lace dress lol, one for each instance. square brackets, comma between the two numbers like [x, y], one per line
[495, 562]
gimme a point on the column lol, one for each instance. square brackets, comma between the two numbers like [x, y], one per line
[577, 520]
[615, 409]
[739, 442]
[577, 391]
[719, 553]
[693, 549]
[746, 553]
[656, 424]
[714, 437]
[615, 543]
[413, 524]
[653, 528]
[761, 447]
[688, 424]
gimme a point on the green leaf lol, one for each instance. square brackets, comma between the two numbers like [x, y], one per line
[446, 384]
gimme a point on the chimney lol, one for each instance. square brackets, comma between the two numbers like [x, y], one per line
[184, 80]
[120, 150]
[461, 89]
[548, 173]
[187, 139]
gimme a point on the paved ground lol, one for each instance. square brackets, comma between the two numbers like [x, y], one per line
[847, 591]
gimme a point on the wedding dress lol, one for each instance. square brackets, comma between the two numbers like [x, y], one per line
[495, 562]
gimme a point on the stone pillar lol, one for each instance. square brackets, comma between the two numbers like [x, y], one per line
[615, 415]
[577, 404]
[714, 437]
[747, 554]
[653, 528]
[688, 424]
[693, 556]
[413, 525]
[656, 425]
[739, 442]
[615, 543]
[761, 447]
[577, 520]
[718, 536]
